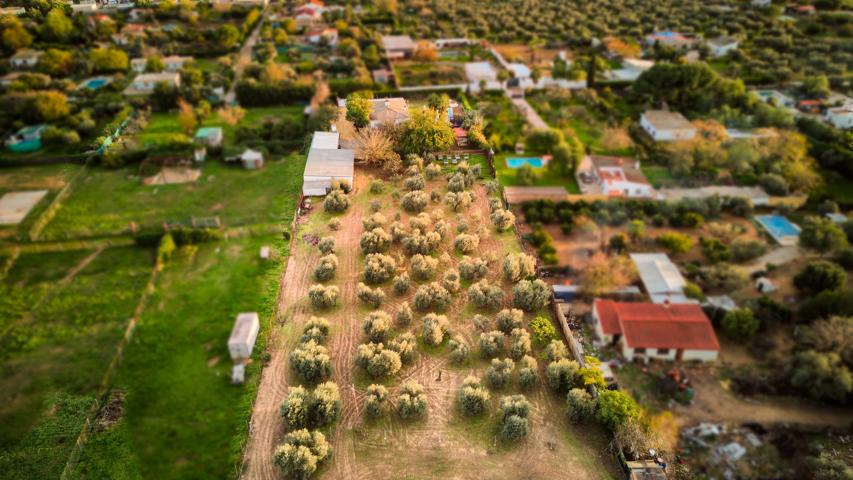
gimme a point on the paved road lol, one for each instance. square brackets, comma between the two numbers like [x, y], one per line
[244, 58]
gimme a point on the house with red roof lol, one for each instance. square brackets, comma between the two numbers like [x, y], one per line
[659, 331]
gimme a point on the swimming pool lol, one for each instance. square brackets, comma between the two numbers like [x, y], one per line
[780, 228]
[94, 83]
[518, 162]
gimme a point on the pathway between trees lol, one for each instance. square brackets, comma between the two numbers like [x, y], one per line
[244, 58]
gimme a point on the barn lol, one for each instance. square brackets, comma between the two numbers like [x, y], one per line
[326, 162]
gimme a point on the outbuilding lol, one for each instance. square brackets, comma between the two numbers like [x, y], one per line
[252, 159]
[326, 163]
[243, 336]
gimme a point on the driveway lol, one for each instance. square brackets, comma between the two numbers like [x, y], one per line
[244, 58]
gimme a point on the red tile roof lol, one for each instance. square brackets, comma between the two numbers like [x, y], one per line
[652, 325]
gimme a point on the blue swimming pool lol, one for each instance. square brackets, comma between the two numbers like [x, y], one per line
[779, 227]
[518, 162]
[95, 83]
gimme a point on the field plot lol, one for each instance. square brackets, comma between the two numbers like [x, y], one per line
[48, 177]
[62, 316]
[444, 442]
[107, 201]
[179, 415]
[412, 74]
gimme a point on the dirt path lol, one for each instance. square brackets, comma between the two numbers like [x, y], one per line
[778, 256]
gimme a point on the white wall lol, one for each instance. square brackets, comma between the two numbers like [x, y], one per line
[700, 355]
[597, 325]
[630, 354]
[666, 135]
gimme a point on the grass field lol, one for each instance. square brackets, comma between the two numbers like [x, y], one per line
[507, 176]
[439, 73]
[106, 201]
[43, 177]
[63, 314]
[182, 418]
[658, 176]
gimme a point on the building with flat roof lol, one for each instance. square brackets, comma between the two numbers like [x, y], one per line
[326, 162]
[665, 126]
[661, 278]
[398, 46]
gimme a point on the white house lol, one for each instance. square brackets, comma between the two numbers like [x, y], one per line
[174, 63]
[241, 342]
[478, 72]
[329, 35]
[309, 13]
[661, 278]
[840, 117]
[620, 177]
[145, 83]
[398, 46]
[394, 110]
[670, 39]
[631, 69]
[325, 163]
[25, 58]
[649, 331]
[664, 126]
[721, 46]
[138, 64]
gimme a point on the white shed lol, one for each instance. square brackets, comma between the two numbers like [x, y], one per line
[243, 336]
[252, 159]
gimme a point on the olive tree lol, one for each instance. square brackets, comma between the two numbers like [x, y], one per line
[370, 296]
[562, 375]
[317, 329]
[527, 372]
[556, 350]
[301, 453]
[421, 243]
[423, 267]
[326, 268]
[375, 401]
[473, 397]
[518, 266]
[458, 200]
[432, 171]
[519, 343]
[509, 319]
[379, 268]
[473, 268]
[531, 296]
[502, 219]
[491, 344]
[377, 326]
[412, 401]
[514, 412]
[377, 220]
[311, 362]
[414, 201]
[322, 296]
[336, 201]
[459, 349]
[404, 315]
[375, 241]
[326, 245]
[295, 408]
[401, 283]
[450, 281]
[485, 295]
[466, 243]
[499, 373]
[414, 182]
[377, 361]
[432, 296]
[406, 345]
[580, 406]
[434, 328]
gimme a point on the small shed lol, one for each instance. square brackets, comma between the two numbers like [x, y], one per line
[765, 285]
[252, 159]
[243, 336]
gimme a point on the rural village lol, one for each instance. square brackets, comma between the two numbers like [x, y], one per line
[426, 239]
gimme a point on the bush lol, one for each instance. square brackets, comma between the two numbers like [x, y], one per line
[404, 314]
[414, 202]
[518, 266]
[301, 453]
[295, 408]
[485, 295]
[322, 296]
[379, 268]
[458, 350]
[165, 249]
[580, 406]
[514, 412]
[740, 324]
[434, 328]
[722, 276]
[691, 220]
[375, 401]
[615, 408]
[509, 319]
[774, 184]
[432, 297]
[326, 268]
[336, 201]
[491, 344]
[675, 242]
[556, 350]
[744, 251]
[421, 243]
[412, 402]
[466, 243]
[414, 182]
[519, 343]
[714, 250]
[691, 290]
[377, 186]
[311, 362]
[562, 375]
[370, 296]
[401, 283]
[406, 345]
[822, 235]
[326, 245]
[423, 267]
[527, 372]
[502, 219]
[432, 171]
[375, 241]
[377, 220]
[317, 329]
[458, 201]
[543, 330]
[531, 296]
[820, 275]
[473, 268]
[473, 397]
[378, 361]
[377, 326]
[499, 373]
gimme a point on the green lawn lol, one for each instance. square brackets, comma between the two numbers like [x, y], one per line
[507, 176]
[658, 176]
[438, 73]
[58, 340]
[182, 418]
[840, 188]
[107, 201]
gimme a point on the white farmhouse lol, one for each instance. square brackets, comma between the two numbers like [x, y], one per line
[25, 58]
[664, 126]
[241, 342]
[840, 117]
[620, 177]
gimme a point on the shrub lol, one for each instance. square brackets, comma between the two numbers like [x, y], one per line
[432, 171]
[322, 296]
[527, 372]
[723, 276]
[481, 323]
[485, 295]
[556, 350]
[615, 408]
[473, 268]
[414, 202]
[740, 324]
[714, 250]
[377, 326]
[820, 275]
[458, 350]
[295, 407]
[377, 220]
[518, 266]
[519, 343]
[311, 362]
[377, 361]
[822, 235]
[543, 330]
[317, 329]
[514, 412]
[378, 268]
[744, 251]
[326, 245]
[375, 401]
[375, 241]
[432, 297]
[414, 182]
[404, 314]
[377, 186]
[412, 402]
[326, 268]
[336, 201]
[421, 243]
[491, 344]
[509, 319]
[636, 230]
[166, 248]
[774, 184]
[675, 242]
[301, 453]
[434, 328]
[691, 290]
[562, 375]
[692, 220]
[580, 406]
[466, 243]
[530, 296]
[371, 296]
[499, 373]
[334, 224]
[406, 345]
[401, 283]
[514, 428]
[502, 219]
[473, 397]
[423, 267]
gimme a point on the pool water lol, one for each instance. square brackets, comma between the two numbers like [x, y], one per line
[95, 83]
[518, 162]
[778, 226]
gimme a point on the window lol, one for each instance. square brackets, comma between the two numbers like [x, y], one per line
[640, 351]
[663, 351]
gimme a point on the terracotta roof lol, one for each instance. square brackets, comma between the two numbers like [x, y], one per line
[389, 110]
[651, 325]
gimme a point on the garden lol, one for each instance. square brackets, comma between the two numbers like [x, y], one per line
[414, 74]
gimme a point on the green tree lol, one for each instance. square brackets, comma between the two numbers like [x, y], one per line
[740, 324]
[56, 62]
[822, 235]
[426, 131]
[227, 35]
[15, 36]
[51, 105]
[359, 109]
[815, 87]
[820, 275]
[616, 407]
[821, 375]
[57, 26]
[108, 59]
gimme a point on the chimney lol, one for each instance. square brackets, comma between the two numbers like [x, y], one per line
[666, 303]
